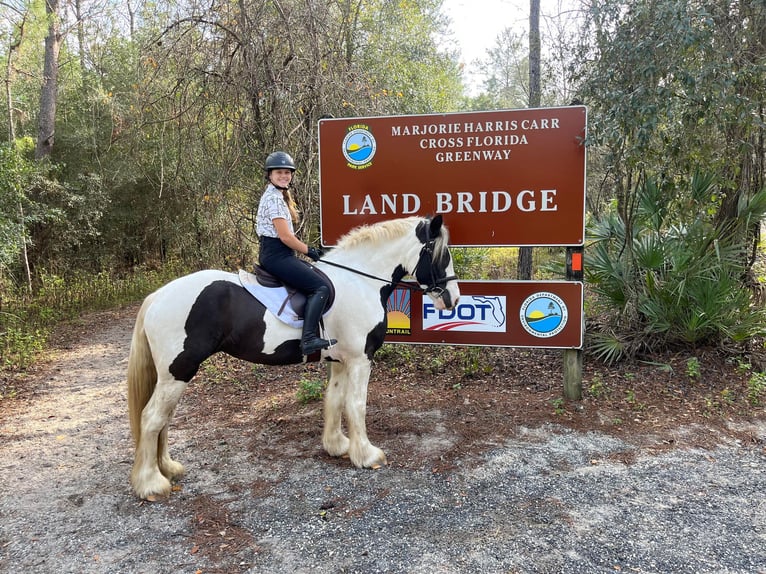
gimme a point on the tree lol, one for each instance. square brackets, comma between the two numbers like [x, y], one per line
[48, 97]
[170, 108]
[506, 71]
[674, 89]
[236, 81]
[524, 269]
[15, 174]
[673, 86]
[15, 35]
[674, 277]
[535, 63]
[506, 65]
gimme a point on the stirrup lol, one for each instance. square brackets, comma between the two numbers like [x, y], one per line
[316, 344]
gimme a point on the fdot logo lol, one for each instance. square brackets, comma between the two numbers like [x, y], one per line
[475, 313]
[543, 314]
[359, 146]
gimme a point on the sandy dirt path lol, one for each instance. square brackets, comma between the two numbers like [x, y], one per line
[546, 500]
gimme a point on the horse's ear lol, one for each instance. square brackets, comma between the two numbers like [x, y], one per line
[436, 226]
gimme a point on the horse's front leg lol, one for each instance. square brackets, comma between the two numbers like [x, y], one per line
[333, 439]
[361, 451]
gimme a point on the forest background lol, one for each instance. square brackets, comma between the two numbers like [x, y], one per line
[134, 133]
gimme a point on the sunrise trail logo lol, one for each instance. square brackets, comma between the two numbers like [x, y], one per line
[399, 312]
[359, 146]
[543, 314]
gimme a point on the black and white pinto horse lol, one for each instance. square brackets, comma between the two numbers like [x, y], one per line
[198, 315]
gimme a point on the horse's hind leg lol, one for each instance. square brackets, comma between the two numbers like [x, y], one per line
[333, 439]
[170, 468]
[151, 451]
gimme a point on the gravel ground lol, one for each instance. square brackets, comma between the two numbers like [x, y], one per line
[551, 500]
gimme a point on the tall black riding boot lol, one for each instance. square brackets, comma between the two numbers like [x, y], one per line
[310, 342]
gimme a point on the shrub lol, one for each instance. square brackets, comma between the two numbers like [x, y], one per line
[672, 275]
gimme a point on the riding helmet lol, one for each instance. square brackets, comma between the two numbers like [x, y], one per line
[279, 160]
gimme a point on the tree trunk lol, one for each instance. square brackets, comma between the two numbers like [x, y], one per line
[8, 93]
[9, 74]
[81, 45]
[534, 54]
[47, 118]
[24, 252]
[524, 266]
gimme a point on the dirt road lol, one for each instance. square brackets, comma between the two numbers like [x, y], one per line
[545, 500]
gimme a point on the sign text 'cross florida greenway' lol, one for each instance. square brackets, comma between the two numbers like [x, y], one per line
[499, 178]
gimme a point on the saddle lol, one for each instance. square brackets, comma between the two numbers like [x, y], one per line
[286, 302]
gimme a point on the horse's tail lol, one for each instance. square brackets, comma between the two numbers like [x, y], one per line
[142, 374]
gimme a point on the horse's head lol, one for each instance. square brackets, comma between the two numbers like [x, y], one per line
[434, 271]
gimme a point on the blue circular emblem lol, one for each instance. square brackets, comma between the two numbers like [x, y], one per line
[543, 314]
[359, 147]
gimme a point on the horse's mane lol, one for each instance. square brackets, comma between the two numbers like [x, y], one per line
[388, 230]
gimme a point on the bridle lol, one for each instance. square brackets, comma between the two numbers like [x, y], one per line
[434, 286]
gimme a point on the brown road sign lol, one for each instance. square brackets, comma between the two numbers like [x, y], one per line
[509, 177]
[492, 313]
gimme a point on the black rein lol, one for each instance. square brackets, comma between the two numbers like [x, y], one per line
[434, 286]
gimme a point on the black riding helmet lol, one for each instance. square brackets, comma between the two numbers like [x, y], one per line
[279, 160]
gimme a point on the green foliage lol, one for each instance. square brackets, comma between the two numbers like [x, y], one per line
[493, 263]
[507, 71]
[756, 388]
[415, 76]
[395, 354]
[632, 400]
[19, 345]
[470, 262]
[693, 369]
[27, 318]
[15, 176]
[597, 387]
[309, 391]
[672, 87]
[470, 358]
[672, 274]
[160, 133]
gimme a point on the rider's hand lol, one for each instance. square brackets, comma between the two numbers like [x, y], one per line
[314, 254]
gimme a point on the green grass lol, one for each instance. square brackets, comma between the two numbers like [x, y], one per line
[27, 319]
[310, 390]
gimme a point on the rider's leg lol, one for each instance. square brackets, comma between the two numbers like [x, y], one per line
[315, 304]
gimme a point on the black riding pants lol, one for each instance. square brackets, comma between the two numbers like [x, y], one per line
[280, 260]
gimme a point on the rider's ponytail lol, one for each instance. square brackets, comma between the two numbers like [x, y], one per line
[291, 205]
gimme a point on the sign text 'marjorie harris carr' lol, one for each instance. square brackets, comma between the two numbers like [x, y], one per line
[499, 178]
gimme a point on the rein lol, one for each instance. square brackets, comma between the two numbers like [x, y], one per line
[433, 287]
[358, 272]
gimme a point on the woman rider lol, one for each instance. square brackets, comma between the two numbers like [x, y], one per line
[275, 221]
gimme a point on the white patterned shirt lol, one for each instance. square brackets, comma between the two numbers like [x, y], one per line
[272, 206]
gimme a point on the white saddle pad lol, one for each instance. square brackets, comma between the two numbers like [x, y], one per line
[275, 299]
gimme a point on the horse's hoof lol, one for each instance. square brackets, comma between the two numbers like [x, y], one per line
[151, 490]
[171, 469]
[380, 464]
[337, 446]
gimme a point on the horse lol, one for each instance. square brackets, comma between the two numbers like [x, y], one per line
[198, 315]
